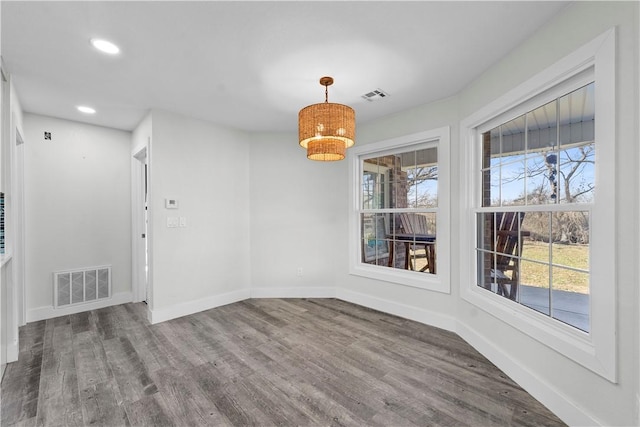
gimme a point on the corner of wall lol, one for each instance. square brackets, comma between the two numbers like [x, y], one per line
[420, 315]
[159, 315]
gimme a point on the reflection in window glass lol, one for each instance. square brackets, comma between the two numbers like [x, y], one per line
[545, 156]
[513, 141]
[396, 183]
[542, 127]
[540, 259]
[374, 238]
[577, 176]
[513, 181]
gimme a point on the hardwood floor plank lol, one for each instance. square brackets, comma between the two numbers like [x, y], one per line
[90, 362]
[129, 372]
[80, 322]
[58, 399]
[255, 363]
[148, 412]
[100, 405]
[338, 385]
[21, 381]
[226, 355]
[176, 346]
[260, 313]
[146, 344]
[223, 397]
[274, 408]
[183, 400]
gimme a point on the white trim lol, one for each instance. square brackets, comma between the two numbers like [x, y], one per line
[433, 282]
[294, 292]
[196, 306]
[558, 403]
[17, 188]
[138, 160]
[417, 314]
[597, 350]
[637, 271]
[150, 225]
[49, 312]
[546, 393]
[5, 258]
[12, 351]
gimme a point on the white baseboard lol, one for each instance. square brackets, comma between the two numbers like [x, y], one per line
[397, 309]
[48, 312]
[542, 391]
[196, 306]
[294, 292]
[12, 352]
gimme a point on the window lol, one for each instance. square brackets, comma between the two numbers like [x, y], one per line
[400, 218]
[538, 230]
[537, 190]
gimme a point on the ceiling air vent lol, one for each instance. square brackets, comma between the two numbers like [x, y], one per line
[374, 95]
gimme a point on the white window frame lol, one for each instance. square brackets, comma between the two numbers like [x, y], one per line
[595, 350]
[434, 282]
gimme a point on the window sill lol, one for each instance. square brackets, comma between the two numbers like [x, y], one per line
[414, 279]
[565, 339]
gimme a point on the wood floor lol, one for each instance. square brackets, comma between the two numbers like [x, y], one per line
[259, 362]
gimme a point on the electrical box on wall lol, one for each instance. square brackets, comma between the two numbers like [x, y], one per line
[171, 203]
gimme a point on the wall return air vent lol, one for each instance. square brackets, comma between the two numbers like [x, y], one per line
[81, 286]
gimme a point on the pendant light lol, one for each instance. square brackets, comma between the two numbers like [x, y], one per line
[326, 130]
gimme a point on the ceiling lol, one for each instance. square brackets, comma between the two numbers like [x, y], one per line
[253, 65]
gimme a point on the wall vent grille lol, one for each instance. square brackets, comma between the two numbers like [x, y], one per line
[375, 94]
[72, 287]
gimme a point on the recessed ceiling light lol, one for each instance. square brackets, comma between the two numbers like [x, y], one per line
[86, 110]
[105, 46]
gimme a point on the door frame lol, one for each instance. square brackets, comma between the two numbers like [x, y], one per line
[13, 305]
[141, 253]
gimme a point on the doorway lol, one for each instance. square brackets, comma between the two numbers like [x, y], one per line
[12, 292]
[140, 216]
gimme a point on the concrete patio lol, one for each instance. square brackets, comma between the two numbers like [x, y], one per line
[569, 307]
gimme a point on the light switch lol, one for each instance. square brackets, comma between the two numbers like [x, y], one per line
[183, 221]
[172, 221]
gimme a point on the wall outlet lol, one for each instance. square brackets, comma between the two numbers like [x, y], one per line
[299, 272]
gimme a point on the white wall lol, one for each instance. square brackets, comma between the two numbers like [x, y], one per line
[600, 400]
[434, 308]
[141, 133]
[77, 205]
[575, 393]
[257, 210]
[299, 213]
[206, 168]
[298, 219]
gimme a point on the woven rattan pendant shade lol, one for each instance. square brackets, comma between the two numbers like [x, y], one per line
[326, 130]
